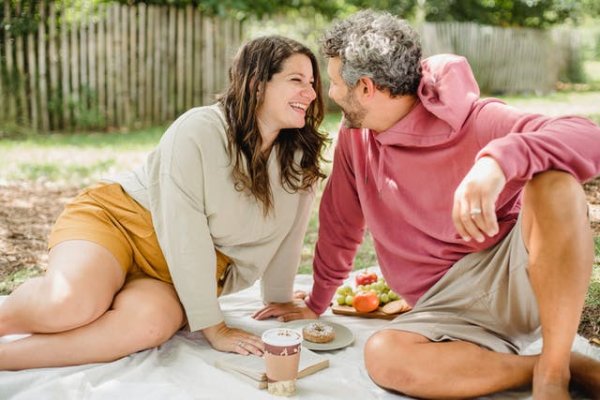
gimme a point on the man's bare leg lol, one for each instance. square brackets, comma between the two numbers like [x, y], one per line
[411, 364]
[557, 234]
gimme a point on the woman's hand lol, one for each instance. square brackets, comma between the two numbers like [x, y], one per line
[285, 312]
[474, 210]
[223, 338]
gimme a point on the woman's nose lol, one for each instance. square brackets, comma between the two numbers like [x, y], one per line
[310, 92]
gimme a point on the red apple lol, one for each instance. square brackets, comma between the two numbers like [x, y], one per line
[365, 278]
[366, 301]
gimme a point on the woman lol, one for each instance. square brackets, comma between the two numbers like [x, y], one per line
[222, 201]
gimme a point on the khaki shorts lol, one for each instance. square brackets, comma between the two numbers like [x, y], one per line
[106, 215]
[485, 298]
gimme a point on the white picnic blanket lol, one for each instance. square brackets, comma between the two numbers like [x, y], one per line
[182, 369]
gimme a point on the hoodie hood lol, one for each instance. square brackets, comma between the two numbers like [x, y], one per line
[447, 93]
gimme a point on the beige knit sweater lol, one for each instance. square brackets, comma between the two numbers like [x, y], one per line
[186, 184]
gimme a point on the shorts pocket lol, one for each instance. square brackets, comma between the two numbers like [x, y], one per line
[127, 213]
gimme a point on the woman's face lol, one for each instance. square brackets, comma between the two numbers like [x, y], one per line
[288, 95]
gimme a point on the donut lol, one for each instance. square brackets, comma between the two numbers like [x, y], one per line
[318, 332]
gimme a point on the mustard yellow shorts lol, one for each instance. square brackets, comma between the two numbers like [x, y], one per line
[106, 215]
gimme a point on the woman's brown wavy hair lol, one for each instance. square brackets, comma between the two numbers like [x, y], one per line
[253, 66]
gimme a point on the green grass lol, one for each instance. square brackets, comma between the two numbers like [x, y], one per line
[134, 140]
[18, 277]
[57, 171]
[76, 158]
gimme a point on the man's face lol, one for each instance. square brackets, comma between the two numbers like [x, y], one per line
[344, 96]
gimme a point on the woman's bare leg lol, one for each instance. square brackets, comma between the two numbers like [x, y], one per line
[145, 314]
[80, 283]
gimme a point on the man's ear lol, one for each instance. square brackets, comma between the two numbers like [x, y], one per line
[367, 88]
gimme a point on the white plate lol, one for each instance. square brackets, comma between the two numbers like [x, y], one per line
[343, 336]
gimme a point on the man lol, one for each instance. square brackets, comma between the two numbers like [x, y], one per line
[477, 214]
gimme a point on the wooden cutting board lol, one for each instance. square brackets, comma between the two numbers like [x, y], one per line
[348, 310]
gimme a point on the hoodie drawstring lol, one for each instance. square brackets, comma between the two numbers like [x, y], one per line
[380, 169]
[380, 174]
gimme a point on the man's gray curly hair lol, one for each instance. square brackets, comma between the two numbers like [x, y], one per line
[379, 46]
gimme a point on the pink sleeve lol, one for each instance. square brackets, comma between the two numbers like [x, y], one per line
[536, 143]
[341, 228]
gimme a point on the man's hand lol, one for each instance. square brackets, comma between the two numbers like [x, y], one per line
[474, 209]
[223, 338]
[285, 312]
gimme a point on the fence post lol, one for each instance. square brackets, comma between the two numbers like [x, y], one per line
[43, 82]
[9, 78]
[110, 65]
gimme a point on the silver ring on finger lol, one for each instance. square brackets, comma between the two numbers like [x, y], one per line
[475, 212]
[240, 344]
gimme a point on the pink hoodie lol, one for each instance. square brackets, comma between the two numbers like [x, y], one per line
[400, 183]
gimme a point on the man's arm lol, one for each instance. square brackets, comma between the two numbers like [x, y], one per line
[341, 226]
[516, 147]
[526, 144]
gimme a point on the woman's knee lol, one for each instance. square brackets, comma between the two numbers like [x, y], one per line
[153, 329]
[66, 307]
[156, 317]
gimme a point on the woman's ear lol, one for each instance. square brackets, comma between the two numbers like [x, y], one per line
[259, 92]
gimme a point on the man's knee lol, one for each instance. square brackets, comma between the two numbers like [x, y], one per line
[557, 194]
[384, 369]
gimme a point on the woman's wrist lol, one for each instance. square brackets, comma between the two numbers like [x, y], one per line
[211, 332]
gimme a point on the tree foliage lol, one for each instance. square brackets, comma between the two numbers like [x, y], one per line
[524, 13]
[507, 13]
[246, 8]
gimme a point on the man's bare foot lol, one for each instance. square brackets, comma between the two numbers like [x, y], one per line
[585, 373]
[550, 392]
[550, 384]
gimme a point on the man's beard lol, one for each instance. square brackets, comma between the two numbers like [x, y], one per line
[355, 117]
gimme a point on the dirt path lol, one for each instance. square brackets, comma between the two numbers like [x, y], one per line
[27, 212]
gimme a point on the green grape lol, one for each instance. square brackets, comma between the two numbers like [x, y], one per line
[349, 300]
[393, 295]
[384, 298]
[341, 300]
[344, 290]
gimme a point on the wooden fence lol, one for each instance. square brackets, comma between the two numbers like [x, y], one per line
[505, 60]
[111, 66]
[115, 66]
